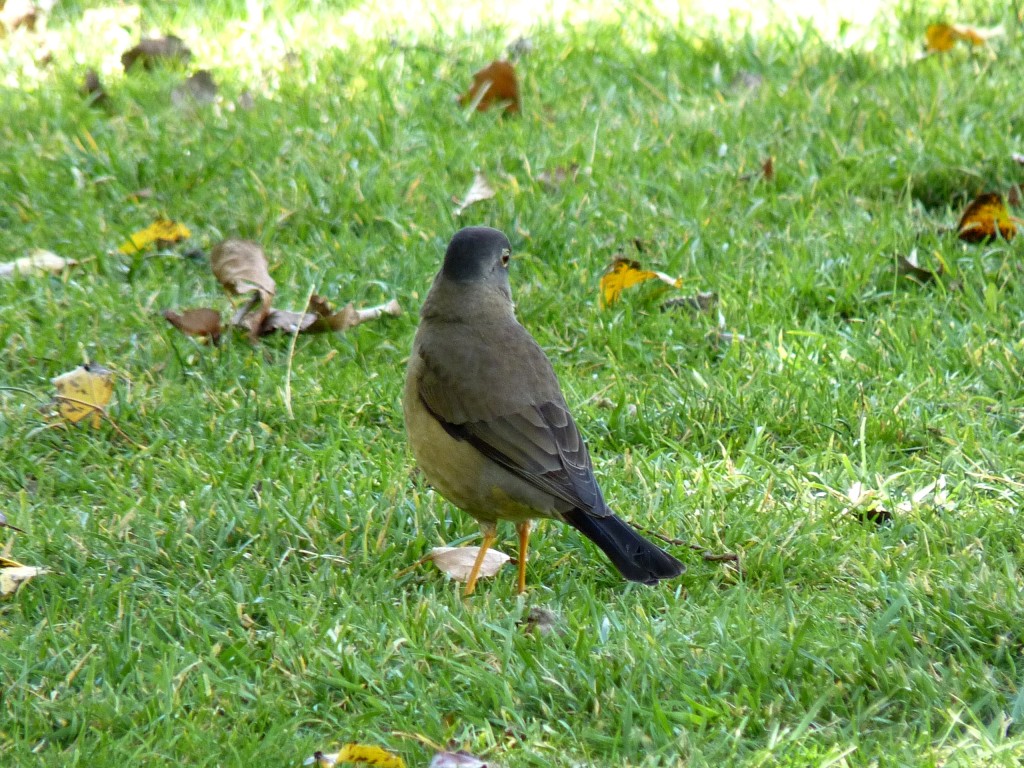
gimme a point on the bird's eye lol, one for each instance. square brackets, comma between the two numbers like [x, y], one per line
[505, 257]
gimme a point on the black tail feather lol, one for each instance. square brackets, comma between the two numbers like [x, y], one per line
[636, 558]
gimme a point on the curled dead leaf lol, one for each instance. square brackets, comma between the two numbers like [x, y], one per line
[196, 322]
[986, 217]
[457, 562]
[241, 267]
[320, 318]
[494, 84]
[84, 393]
[153, 50]
[39, 262]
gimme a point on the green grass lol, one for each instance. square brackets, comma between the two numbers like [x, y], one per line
[227, 594]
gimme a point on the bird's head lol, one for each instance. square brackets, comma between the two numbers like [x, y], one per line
[478, 255]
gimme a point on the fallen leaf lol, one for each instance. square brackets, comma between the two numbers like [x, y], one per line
[84, 393]
[162, 232]
[357, 753]
[986, 217]
[13, 574]
[93, 90]
[241, 267]
[939, 38]
[198, 88]
[5, 524]
[457, 562]
[908, 267]
[196, 322]
[150, 51]
[480, 190]
[699, 302]
[495, 83]
[460, 759]
[557, 177]
[39, 262]
[625, 273]
[767, 171]
[320, 318]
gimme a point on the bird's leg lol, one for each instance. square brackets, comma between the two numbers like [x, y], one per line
[490, 532]
[524, 543]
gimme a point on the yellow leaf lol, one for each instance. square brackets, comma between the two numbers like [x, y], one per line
[160, 231]
[986, 217]
[625, 273]
[358, 753]
[84, 392]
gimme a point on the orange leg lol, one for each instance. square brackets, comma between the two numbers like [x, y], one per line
[524, 544]
[490, 534]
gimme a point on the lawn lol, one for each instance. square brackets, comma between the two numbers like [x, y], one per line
[233, 566]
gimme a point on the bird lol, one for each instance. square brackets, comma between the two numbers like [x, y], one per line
[488, 424]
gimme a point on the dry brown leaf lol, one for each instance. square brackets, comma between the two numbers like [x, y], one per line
[985, 218]
[625, 273]
[480, 190]
[161, 233]
[320, 318]
[357, 753]
[150, 51]
[39, 262]
[196, 322]
[460, 759]
[495, 83]
[241, 267]
[84, 393]
[457, 562]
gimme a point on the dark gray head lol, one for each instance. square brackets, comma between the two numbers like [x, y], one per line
[477, 254]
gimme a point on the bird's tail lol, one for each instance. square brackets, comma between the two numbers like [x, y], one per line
[636, 558]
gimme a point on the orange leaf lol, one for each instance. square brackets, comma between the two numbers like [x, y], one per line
[625, 273]
[494, 83]
[985, 218]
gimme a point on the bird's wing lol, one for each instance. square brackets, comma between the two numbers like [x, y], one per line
[503, 398]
